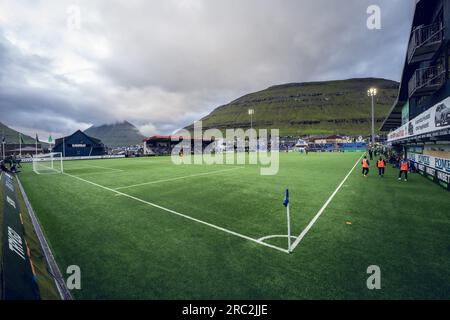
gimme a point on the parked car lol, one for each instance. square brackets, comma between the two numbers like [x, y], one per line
[442, 115]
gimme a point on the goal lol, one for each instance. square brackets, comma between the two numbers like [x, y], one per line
[48, 163]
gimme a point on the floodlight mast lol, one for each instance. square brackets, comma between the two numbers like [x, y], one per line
[372, 92]
[251, 112]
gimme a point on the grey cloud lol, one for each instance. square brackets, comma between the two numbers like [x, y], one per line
[170, 62]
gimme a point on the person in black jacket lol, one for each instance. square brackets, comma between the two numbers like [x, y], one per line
[3, 167]
[370, 154]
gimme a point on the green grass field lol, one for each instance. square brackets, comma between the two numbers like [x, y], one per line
[145, 228]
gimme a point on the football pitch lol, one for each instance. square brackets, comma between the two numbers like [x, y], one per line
[145, 228]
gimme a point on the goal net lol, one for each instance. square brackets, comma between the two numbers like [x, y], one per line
[48, 163]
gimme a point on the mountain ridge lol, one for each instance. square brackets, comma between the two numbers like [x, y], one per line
[116, 134]
[12, 136]
[308, 108]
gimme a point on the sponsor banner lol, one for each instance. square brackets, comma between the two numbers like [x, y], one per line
[435, 168]
[19, 282]
[434, 119]
[83, 158]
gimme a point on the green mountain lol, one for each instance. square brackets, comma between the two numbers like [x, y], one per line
[117, 134]
[310, 108]
[12, 136]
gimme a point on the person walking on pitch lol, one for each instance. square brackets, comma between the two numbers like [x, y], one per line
[403, 169]
[371, 154]
[381, 164]
[365, 166]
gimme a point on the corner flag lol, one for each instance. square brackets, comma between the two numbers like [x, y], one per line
[286, 204]
[286, 198]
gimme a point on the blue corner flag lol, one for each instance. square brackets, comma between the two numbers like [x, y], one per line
[286, 198]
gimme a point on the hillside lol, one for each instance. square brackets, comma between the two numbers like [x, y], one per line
[12, 136]
[117, 134]
[331, 107]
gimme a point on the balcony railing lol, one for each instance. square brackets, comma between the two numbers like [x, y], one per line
[426, 80]
[425, 39]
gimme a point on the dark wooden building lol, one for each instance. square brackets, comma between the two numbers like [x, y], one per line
[79, 144]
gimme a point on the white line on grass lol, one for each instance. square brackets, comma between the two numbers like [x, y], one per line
[275, 236]
[106, 168]
[99, 173]
[109, 170]
[181, 215]
[176, 178]
[311, 223]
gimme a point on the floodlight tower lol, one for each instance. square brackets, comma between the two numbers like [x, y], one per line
[251, 112]
[372, 92]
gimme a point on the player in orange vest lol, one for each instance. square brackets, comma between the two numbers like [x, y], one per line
[403, 169]
[381, 164]
[365, 166]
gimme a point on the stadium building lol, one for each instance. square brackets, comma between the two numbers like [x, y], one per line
[419, 121]
[26, 150]
[79, 144]
[163, 145]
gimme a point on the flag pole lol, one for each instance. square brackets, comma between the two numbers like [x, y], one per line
[288, 228]
[20, 145]
[50, 142]
[286, 204]
[3, 144]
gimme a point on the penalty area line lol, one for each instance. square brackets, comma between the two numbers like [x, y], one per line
[182, 215]
[176, 178]
[100, 167]
[319, 213]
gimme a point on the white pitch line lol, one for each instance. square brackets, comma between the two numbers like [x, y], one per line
[99, 173]
[109, 170]
[311, 223]
[176, 178]
[181, 215]
[275, 236]
[106, 168]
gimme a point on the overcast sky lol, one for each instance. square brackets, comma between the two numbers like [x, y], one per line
[162, 64]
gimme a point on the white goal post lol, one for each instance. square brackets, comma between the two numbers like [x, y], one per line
[48, 163]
